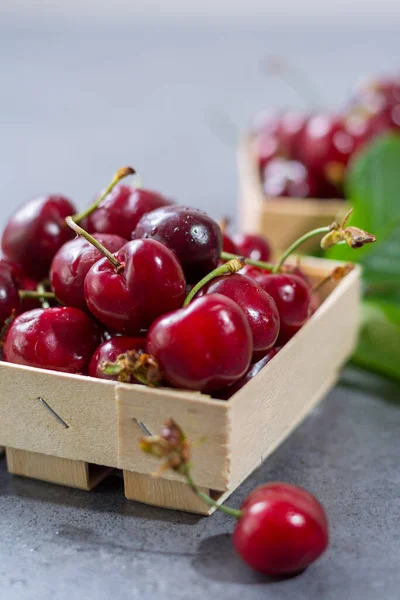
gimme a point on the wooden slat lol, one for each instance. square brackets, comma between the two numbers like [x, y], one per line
[272, 404]
[206, 423]
[86, 405]
[71, 473]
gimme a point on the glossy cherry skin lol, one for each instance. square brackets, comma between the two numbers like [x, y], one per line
[252, 246]
[258, 306]
[288, 178]
[191, 234]
[326, 146]
[59, 339]
[292, 299]
[121, 210]
[253, 370]
[283, 529]
[72, 263]
[204, 346]
[228, 245]
[35, 233]
[9, 299]
[151, 284]
[110, 350]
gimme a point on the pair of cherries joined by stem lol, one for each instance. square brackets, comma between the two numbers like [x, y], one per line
[280, 528]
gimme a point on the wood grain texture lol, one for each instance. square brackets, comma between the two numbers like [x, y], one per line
[71, 473]
[175, 495]
[205, 421]
[282, 220]
[87, 405]
[271, 405]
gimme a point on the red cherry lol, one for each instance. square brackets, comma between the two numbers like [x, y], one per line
[326, 146]
[35, 233]
[291, 127]
[122, 209]
[151, 284]
[22, 282]
[292, 298]
[191, 234]
[288, 178]
[205, 346]
[283, 529]
[9, 299]
[110, 350]
[60, 339]
[228, 245]
[252, 246]
[226, 393]
[258, 306]
[72, 263]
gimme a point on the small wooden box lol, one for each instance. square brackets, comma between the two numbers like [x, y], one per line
[99, 428]
[281, 220]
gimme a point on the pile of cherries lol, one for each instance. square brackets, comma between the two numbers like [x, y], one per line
[110, 303]
[304, 155]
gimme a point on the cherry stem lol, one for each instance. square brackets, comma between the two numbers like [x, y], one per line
[40, 288]
[248, 261]
[298, 243]
[294, 77]
[119, 175]
[232, 266]
[36, 294]
[232, 512]
[79, 231]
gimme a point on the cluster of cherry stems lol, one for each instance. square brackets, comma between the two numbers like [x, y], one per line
[149, 292]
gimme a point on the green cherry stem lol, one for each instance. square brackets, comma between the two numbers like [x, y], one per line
[232, 512]
[232, 266]
[80, 231]
[40, 288]
[298, 243]
[36, 294]
[119, 175]
[247, 261]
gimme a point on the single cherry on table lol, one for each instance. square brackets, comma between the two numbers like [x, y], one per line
[282, 529]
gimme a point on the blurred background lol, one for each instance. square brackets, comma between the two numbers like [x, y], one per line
[87, 87]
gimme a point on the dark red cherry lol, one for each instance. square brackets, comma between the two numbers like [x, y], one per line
[204, 346]
[35, 233]
[110, 350]
[191, 234]
[326, 146]
[282, 530]
[121, 210]
[228, 245]
[9, 299]
[151, 283]
[290, 131]
[72, 263]
[258, 306]
[226, 393]
[252, 246]
[288, 178]
[292, 298]
[60, 339]
[22, 282]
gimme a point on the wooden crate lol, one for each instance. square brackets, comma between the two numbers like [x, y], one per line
[281, 220]
[96, 428]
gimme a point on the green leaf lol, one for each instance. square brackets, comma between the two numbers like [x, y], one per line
[379, 342]
[373, 188]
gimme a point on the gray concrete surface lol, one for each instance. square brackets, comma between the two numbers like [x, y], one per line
[77, 102]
